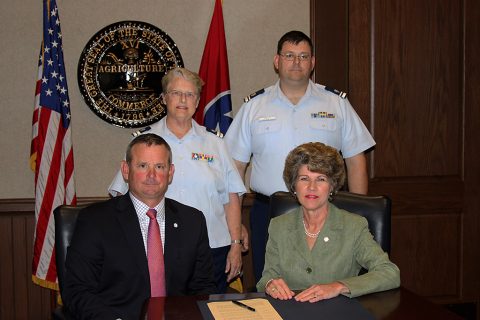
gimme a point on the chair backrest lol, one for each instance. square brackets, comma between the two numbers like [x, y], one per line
[376, 209]
[65, 221]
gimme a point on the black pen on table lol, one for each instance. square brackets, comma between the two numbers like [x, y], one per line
[243, 305]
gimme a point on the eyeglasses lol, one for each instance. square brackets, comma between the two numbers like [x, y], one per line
[178, 94]
[290, 56]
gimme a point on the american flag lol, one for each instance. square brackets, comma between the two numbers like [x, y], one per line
[215, 107]
[51, 155]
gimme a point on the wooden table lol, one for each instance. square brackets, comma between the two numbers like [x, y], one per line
[398, 304]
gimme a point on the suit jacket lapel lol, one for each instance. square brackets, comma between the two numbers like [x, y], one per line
[333, 226]
[173, 240]
[296, 235]
[128, 221]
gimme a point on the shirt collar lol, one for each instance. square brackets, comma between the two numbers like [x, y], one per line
[141, 208]
[278, 93]
[195, 131]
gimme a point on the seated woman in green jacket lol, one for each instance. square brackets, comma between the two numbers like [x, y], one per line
[318, 248]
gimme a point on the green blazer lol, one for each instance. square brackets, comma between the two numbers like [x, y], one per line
[343, 247]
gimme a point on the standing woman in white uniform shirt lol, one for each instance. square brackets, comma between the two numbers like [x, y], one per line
[205, 175]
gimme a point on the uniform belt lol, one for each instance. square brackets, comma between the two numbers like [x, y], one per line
[262, 198]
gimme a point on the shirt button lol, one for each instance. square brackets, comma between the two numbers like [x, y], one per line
[309, 270]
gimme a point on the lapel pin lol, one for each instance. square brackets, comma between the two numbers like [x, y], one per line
[326, 239]
[175, 225]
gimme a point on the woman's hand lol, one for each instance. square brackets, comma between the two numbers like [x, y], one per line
[278, 289]
[319, 292]
[234, 262]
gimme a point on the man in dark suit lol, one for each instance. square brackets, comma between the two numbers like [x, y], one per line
[107, 273]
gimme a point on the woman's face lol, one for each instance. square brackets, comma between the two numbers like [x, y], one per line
[181, 99]
[312, 189]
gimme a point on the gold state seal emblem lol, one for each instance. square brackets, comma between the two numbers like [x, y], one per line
[120, 72]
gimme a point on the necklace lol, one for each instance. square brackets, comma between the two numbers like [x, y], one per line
[309, 234]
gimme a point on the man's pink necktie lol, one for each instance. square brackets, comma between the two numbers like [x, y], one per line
[156, 263]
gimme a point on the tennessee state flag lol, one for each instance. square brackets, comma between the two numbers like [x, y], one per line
[215, 107]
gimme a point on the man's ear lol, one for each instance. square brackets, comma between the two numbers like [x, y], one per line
[313, 63]
[275, 62]
[125, 170]
[170, 174]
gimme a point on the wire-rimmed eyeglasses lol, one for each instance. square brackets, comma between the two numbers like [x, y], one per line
[290, 56]
[178, 94]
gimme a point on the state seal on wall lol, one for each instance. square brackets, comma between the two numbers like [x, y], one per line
[120, 72]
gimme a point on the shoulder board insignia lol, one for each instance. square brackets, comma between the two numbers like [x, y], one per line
[215, 132]
[341, 94]
[139, 132]
[253, 95]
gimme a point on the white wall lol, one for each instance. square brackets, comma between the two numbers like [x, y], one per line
[252, 30]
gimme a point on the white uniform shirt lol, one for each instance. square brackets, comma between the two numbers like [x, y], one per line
[204, 176]
[269, 126]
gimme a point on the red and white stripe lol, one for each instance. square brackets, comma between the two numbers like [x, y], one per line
[54, 185]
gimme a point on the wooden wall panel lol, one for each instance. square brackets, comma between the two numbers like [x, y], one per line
[20, 277]
[19, 297]
[413, 77]
[418, 121]
[422, 195]
[428, 238]
[6, 269]
[471, 242]
[418, 100]
[360, 59]
[330, 31]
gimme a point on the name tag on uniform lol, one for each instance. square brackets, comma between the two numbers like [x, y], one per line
[322, 115]
[202, 157]
[267, 118]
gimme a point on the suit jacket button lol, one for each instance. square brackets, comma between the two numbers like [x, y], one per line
[309, 270]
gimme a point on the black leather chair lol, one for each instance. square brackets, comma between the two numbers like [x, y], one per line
[376, 209]
[65, 221]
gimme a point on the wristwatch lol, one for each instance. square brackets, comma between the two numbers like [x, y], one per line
[237, 242]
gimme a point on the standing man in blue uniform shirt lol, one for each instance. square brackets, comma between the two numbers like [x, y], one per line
[293, 111]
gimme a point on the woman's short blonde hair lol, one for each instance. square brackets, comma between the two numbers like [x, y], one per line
[319, 158]
[188, 75]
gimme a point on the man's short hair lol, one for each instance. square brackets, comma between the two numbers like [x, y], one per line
[149, 139]
[294, 37]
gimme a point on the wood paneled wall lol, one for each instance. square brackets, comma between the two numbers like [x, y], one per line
[19, 297]
[411, 70]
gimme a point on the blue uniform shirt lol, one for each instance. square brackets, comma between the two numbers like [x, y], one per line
[268, 126]
[204, 176]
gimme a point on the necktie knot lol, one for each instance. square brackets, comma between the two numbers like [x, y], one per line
[152, 213]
